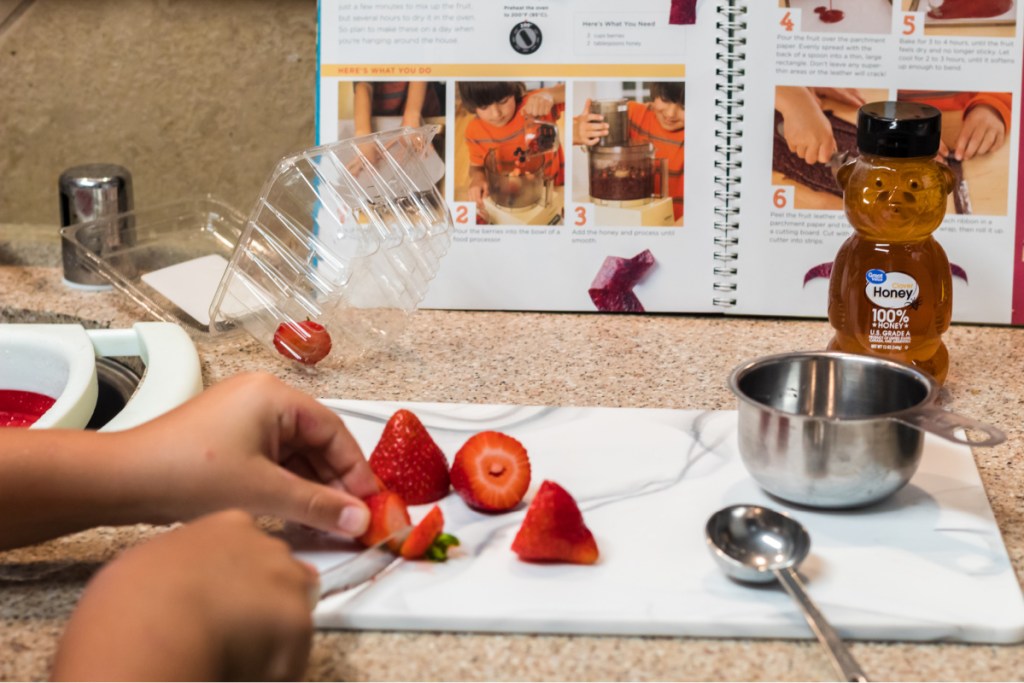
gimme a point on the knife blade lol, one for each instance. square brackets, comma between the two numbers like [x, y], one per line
[361, 568]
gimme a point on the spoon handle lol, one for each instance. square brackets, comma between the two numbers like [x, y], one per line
[842, 661]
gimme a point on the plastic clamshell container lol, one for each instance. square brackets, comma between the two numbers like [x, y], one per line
[348, 235]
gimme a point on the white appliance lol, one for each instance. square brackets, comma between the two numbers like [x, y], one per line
[59, 361]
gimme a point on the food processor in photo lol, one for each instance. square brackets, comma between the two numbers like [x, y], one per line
[521, 189]
[628, 183]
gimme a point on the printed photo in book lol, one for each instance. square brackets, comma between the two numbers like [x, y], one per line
[566, 130]
[808, 67]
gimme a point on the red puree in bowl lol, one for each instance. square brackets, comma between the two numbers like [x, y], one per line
[22, 408]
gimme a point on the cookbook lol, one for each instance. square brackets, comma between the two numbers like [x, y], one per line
[671, 156]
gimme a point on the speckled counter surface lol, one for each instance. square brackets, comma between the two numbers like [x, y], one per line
[558, 359]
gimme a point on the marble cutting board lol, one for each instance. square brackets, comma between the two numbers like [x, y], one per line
[927, 564]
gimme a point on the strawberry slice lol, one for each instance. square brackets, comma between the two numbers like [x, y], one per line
[553, 529]
[422, 535]
[427, 539]
[491, 472]
[408, 462]
[388, 514]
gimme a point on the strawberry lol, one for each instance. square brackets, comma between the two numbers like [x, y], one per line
[307, 341]
[408, 461]
[388, 514]
[427, 539]
[422, 535]
[491, 472]
[553, 529]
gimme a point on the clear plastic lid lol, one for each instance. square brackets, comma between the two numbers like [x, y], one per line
[338, 251]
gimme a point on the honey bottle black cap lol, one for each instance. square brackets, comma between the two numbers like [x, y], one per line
[899, 129]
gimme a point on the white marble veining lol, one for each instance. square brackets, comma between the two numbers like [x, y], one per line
[927, 564]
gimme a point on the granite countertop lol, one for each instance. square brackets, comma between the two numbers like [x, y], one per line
[529, 358]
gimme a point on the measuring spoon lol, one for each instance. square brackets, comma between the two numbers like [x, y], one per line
[755, 544]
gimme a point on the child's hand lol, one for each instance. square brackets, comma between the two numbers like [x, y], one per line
[539, 104]
[587, 127]
[982, 132]
[254, 443]
[943, 150]
[476, 192]
[807, 132]
[217, 599]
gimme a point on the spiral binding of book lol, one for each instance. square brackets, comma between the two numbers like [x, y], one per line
[732, 37]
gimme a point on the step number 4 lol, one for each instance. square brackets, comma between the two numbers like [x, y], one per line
[782, 196]
[787, 22]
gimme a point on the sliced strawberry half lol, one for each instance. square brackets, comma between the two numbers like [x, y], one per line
[408, 462]
[388, 514]
[491, 472]
[553, 529]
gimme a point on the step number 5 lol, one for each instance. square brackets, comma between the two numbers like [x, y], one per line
[912, 21]
[782, 196]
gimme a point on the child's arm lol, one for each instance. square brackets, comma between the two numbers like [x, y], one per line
[477, 185]
[850, 96]
[415, 96]
[250, 442]
[362, 107]
[587, 127]
[217, 599]
[808, 133]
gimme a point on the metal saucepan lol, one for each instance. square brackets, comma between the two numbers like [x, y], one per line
[838, 430]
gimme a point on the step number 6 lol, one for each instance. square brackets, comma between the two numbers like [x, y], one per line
[782, 196]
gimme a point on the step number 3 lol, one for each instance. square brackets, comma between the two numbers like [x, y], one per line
[782, 196]
[582, 215]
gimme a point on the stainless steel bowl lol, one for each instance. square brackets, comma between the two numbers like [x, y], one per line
[837, 430]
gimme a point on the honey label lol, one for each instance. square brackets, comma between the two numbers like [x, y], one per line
[891, 290]
[892, 295]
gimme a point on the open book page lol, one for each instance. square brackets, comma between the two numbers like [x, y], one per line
[548, 214]
[808, 66]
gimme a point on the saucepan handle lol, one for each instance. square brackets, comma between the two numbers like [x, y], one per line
[945, 424]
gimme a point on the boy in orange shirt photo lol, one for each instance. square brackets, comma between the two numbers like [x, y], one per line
[661, 122]
[502, 112]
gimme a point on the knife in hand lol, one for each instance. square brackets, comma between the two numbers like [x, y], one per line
[361, 568]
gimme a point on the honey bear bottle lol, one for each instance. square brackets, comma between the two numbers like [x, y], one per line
[891, 290]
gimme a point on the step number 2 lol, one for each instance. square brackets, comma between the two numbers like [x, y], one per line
[464, 213]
